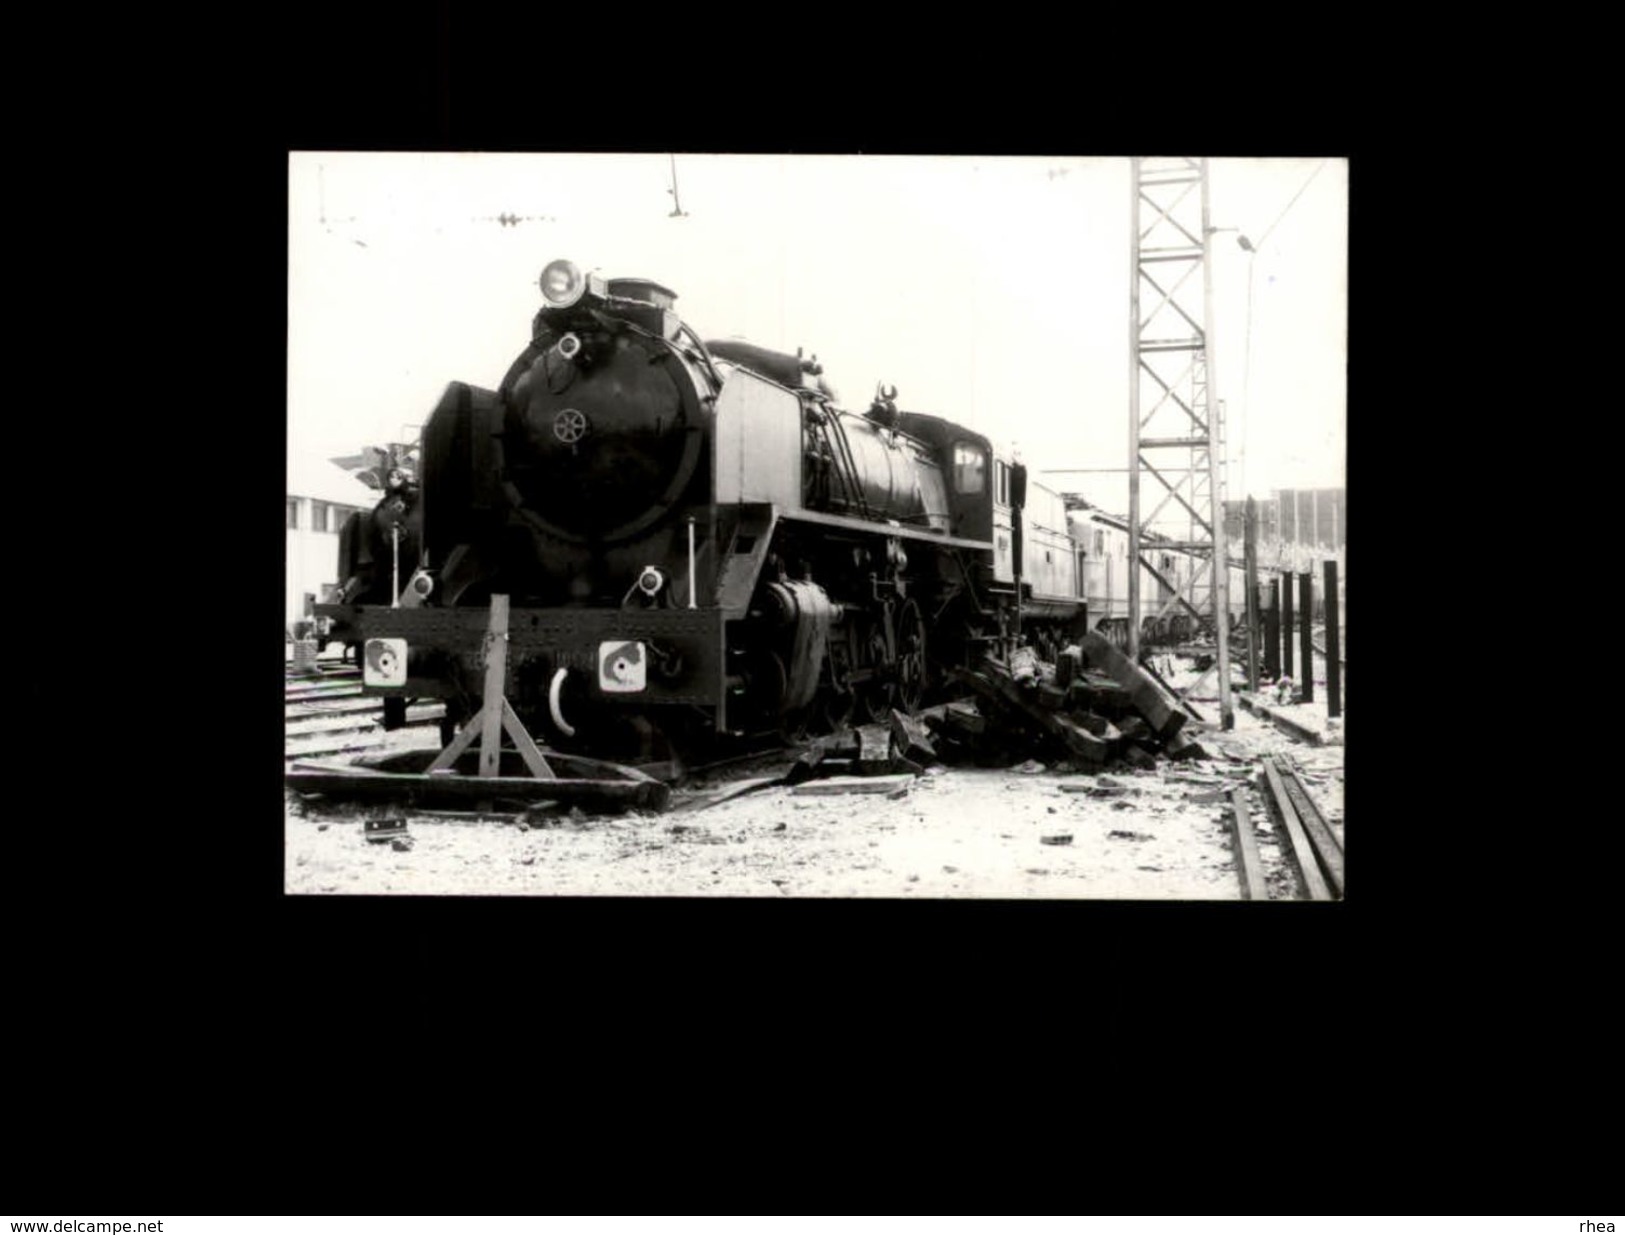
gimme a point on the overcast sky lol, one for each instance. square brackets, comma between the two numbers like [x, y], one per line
[994, 291]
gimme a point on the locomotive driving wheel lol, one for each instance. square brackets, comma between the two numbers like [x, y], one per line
[911, 672]
[875, 698]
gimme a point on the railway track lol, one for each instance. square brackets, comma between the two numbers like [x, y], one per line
[325, 713]
[1316, 846]
[1313, 847]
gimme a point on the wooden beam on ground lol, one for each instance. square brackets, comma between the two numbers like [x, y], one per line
[1085, 745]
[1248, 864]
[909, 738]
[1094, 691]
[807, 762]
[963, 715]
[874, 750]
[1302, 851]
[1148, 697]
[1003, 693]
[645, 793]
[727, 794]
[896, 784]
[1173, 694]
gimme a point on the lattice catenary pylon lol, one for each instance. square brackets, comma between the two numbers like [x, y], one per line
[1176, 433]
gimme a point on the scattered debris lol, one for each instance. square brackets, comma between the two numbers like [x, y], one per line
[1139, 757]
[736, 790]
[1092, 708]
[378, 831]
[1062, 838]
[1181, 746]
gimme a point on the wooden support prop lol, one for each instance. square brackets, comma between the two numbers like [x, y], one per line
[1302, 851]
[1251, 868]
[496, 714]
[1148, 697]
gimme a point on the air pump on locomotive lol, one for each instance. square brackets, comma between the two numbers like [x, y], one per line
[692, 535]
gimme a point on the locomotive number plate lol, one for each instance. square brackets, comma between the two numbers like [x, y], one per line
[384, 663]
[622, 666]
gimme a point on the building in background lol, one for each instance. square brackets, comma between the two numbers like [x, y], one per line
[321, 495]
[1298, 530]
[1311, 519]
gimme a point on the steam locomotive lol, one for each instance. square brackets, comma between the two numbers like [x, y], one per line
[694, 537]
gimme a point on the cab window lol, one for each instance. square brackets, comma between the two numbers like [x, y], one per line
[970, 467]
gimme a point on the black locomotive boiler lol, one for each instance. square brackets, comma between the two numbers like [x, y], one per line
[693, 537]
